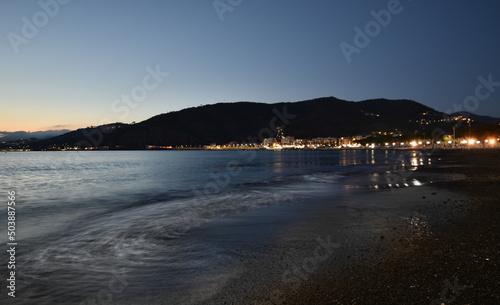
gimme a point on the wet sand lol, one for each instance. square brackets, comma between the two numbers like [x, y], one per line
[456, 262]
[431, 244]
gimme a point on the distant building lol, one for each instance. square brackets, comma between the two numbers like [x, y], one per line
[267, 141]
[345, 141]
[359, 137]
[287, 140]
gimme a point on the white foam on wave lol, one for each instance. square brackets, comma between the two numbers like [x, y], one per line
[329, 178]
[134, 236]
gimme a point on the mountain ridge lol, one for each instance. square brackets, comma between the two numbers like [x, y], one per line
[39, 135]
[245, 122]
[227, 122]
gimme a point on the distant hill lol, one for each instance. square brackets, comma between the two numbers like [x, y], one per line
[24, 135]
[225, 122]
[484, 119]
[246, 122]
[92, 135]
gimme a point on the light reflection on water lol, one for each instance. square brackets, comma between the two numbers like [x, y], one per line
[85, 214]
[398, 174]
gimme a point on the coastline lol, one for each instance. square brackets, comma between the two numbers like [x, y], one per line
[347, 238]
[458, 260]
[432, 244]
[408, 147]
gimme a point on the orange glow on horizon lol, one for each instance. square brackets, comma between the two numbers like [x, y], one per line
[36, 127]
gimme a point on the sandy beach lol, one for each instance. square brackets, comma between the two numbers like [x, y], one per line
[432, 244]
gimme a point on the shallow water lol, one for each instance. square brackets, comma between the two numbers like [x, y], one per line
[106, 226]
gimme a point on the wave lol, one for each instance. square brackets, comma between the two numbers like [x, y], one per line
[135, 234]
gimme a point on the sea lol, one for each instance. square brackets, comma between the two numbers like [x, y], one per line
[109, 227]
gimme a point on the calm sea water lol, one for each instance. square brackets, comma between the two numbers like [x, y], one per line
[101, 226]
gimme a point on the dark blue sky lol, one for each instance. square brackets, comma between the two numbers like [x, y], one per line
[74, 67]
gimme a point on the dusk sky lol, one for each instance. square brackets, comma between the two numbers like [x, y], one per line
[69, 65]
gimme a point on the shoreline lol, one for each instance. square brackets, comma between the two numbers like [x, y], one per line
[405, 148]
[351, 240]
[425, 240]
[458, 261]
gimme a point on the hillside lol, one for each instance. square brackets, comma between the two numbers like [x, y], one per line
[245, 122]
[92, 135]
[226, 122]
[25, 135]
[483, 119]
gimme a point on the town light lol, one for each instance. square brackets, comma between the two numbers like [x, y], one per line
[413, 143]
[492, 141]
[471, 141]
